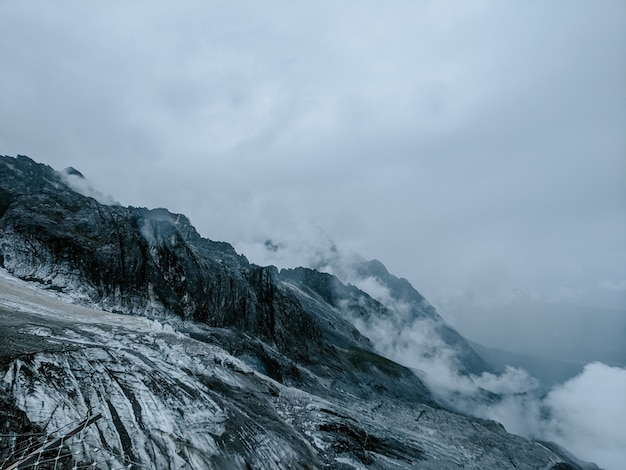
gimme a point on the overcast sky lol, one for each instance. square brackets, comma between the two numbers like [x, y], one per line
[476, 148]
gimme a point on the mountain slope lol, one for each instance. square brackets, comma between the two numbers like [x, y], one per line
[232, 364]
[176, 398]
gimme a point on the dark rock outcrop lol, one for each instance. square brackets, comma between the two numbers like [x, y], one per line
[138, 261]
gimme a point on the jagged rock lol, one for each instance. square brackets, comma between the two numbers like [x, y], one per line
[138, 261]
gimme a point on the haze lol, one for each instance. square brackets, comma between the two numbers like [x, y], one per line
[476, 148]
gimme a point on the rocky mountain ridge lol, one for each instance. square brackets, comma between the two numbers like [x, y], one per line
[273, 355]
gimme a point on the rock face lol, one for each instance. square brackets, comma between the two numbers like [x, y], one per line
[137, 261]
[401, 309]
[199, 359]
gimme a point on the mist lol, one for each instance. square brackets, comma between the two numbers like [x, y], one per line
[584, 414]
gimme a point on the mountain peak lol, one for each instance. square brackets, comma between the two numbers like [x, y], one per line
[73, 171]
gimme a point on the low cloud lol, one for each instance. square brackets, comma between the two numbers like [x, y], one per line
[585, 415]
[306, 244]
[77, 182]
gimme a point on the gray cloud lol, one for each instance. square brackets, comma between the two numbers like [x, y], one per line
[586, 413]
[475, 148]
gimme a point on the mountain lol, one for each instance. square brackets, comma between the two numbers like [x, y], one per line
[548, 370]
[401, 309]
[197, 358]
[594, 333]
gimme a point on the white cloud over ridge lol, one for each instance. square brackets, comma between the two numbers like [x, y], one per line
[77, 182]
[584, 415]
[587, 415]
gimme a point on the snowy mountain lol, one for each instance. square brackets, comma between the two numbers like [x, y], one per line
[198, 359]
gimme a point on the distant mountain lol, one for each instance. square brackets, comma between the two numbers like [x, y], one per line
[593, 333]
[548, 370]
[197, 358]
